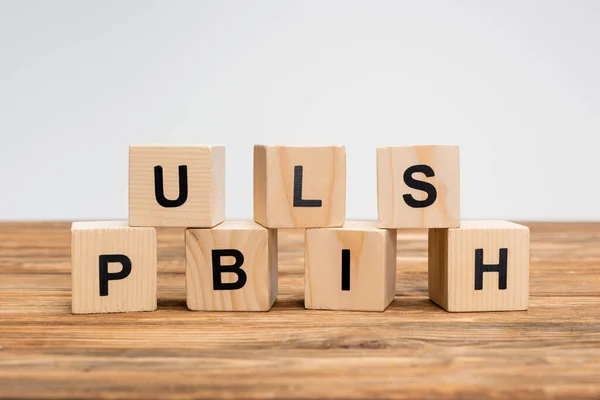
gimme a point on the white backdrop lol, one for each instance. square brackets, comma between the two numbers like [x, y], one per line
[515, 83]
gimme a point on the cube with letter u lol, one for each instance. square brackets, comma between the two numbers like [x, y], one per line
[231, 267]
[179, 186]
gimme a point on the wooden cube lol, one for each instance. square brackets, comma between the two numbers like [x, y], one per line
[180, 186]
[481, 266]
[231, 267]
[418, 187]
[350, 268]
[299, 187]
[113, 267]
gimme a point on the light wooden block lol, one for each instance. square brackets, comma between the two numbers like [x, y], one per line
[245, 256]
[418, 187]
[192, 193]
[113, 267]
[299, 187]
[466, 266]
[350, 268]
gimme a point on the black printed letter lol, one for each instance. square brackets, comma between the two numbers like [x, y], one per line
[345, 269]
[480, 268]
[218, 269]
[159, 189]
[106, 276]
[419, 185]
[298, 201]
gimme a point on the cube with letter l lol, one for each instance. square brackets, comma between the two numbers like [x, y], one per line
[299, 187]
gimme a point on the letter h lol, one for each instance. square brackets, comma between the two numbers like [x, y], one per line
[501, 268]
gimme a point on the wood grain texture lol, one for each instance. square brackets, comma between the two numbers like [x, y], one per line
[393, 209]
[372, 265]
[205, 202]
[323, 178]
[135, 292]
[258, 247]
[452, 266]
[413, 350]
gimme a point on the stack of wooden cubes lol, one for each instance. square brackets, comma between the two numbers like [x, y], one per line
[349, 265]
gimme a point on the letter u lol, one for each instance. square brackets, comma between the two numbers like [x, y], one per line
[159, 187]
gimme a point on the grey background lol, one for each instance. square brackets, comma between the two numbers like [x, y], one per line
[514, 83]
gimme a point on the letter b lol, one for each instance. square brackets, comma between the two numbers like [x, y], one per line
[235, 268]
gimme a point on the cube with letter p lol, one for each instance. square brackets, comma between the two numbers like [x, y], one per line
[113, 267]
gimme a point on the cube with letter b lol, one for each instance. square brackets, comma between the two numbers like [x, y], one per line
[231, 267]
[179, 186]
[299, 187]
[418, 187]
[113, 267]
[481, 266]
[350, 268]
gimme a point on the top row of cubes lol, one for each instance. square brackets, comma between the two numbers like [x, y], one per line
[294, 187]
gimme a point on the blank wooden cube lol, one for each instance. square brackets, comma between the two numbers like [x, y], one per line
[231, 267]
[179, 186]
[113, 267]
[481, 266]
[350, 268]
[418, 187]
[299, 187]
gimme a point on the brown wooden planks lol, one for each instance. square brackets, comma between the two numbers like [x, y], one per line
[412, 350]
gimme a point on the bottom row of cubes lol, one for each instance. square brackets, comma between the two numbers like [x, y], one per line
[481, 266]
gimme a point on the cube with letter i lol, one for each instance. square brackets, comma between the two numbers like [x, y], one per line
[179, 186]
[350, 268]
[418, 187]
[299, 187]
[113, 267]
[481, 266]
[231, 267]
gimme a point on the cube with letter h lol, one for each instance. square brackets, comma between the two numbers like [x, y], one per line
[350, 268]
[179, 186]
[299, 187]
[231, 267]
[113, 267]
[418, 187]
[481, 266]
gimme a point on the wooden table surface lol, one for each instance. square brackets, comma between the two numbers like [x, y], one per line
[412, 350]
